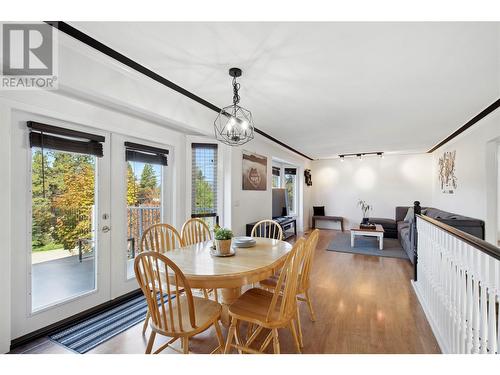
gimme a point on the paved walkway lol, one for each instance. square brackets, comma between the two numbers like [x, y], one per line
[44, 256]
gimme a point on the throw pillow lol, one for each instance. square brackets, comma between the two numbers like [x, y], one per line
[319, 210]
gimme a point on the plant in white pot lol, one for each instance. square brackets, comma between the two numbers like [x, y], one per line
[223, 238]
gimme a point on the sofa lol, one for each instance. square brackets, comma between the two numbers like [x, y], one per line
[405, 230]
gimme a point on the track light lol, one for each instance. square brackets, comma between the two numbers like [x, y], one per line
[359, 156]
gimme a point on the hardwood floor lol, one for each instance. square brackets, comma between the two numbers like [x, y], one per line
[364, 304]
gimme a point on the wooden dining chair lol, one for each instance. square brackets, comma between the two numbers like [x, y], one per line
[267, 229]
[268, 310]
[175, 315]
[194, 231]
[160, 238]
[304, 280]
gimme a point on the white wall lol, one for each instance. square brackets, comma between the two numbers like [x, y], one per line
[395, 180]
[250, 206]
[476, 171]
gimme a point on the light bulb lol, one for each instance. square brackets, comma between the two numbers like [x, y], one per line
[244, 124]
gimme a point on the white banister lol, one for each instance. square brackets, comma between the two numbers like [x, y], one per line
[458, 286]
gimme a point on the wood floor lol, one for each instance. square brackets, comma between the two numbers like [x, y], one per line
[364, 304]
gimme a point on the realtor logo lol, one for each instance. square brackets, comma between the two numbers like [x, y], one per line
[28, 56]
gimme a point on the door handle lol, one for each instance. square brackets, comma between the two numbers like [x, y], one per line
[106, 229]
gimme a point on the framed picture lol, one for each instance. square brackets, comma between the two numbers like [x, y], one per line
[254, 171]
[447, 177]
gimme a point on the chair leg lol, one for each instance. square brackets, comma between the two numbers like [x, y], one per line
[146, 321]
[205, 293]
[151, 341]
[299, 326]
[276, 341]
[309, 304]
[216, 296]
[237, 336]
[230, 335]
[220, 338]
[249, 330]
[295, 338]
[185, 344]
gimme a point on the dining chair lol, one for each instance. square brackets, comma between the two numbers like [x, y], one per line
[160, 238]
[175, 315]
[268, 310]
[267, 229]
[304, 280]
[194, 231]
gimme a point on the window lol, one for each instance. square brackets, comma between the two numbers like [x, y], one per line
[144, 191]
[64, 195]
[291, 189]
[204, 182]
[276, 177]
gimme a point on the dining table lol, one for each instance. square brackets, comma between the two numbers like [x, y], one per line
[229, 274]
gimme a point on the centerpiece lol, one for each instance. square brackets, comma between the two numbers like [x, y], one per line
[365, 207]
[222, 239]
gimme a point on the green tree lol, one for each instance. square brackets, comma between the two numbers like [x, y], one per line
[148, 192]
[204, 193]
[131, 186]
[41, 213]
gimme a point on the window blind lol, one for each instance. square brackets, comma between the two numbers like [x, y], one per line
[204, 180]
[291, 171]
[276, 171]
[62, 139]
[145, 154]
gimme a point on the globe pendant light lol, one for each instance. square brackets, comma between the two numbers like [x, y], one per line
[234, 124]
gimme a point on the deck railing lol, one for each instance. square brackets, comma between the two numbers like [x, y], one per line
[458, 287]
[139, 219]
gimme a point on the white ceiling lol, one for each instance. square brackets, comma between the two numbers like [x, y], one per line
[328, 88]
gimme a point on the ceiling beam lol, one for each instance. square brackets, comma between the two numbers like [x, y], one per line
[485, 112]
[94, 43]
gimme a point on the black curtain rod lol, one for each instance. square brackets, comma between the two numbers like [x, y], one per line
[94, 43]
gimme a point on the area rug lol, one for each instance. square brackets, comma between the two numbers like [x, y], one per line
[87, 334]
[365, 245]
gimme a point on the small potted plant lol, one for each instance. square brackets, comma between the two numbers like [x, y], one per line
[223, 238]
[365, 207]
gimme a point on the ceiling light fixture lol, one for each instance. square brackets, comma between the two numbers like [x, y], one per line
[234, 124]
[360, 156]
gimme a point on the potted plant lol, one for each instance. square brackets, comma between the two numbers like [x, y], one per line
[365, 207]
[223, 238]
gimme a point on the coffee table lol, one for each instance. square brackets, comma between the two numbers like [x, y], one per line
[377, 232]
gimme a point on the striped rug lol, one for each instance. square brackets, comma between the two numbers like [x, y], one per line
[87, 334]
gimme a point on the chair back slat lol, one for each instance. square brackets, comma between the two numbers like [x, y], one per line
[305, 269]
[160, 280]
[287, 282]
[160, 238]
[267, 229]
[195, 231]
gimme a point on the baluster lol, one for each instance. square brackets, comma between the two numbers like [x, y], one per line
[483, 302]
[470, 296]
[475, 310]
[492, 336]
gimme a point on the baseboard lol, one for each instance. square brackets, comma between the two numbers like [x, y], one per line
[432, 323]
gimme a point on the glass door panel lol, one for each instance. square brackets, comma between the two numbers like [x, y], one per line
[63, 240]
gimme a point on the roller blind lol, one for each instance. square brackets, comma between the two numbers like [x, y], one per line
[290, 171]
[276, 171]
[204, 180]
[145, 154]
[62, 139]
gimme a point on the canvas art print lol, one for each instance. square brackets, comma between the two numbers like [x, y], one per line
[447, 177]
[254, 171]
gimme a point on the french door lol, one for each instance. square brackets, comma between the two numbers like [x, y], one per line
[83, 197]
[62, 237]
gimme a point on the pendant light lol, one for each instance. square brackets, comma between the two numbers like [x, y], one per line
[234, 124]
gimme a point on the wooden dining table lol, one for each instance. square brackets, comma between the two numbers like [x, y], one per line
[230, 274]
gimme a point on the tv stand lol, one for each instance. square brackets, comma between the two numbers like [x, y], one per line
[288, 226]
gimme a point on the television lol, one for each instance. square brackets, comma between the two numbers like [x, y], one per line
[280, 202]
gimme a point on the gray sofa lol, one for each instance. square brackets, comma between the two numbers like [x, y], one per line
[406, 229]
